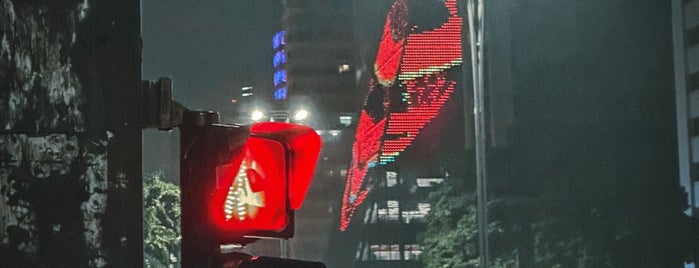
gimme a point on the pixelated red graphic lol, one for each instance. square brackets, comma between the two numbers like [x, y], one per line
[420, 61]
[365, 151]
[388, 57]
[427, 95]
[432, 51]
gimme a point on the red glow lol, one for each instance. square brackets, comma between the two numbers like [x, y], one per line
[364, 151]
[432, 51]
[264, 173]
[391, 47]
[427, 55]
[427, 95]
[421, 61]
[263, 181]
[303, 145]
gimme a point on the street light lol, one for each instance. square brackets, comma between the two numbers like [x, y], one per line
[257, 115]
[300, 115]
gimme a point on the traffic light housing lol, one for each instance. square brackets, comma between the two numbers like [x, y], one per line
[241, 260]
[240, 183]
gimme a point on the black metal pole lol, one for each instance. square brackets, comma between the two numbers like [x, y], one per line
[475, 13]
[197, 249]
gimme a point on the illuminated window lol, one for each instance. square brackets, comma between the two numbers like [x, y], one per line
[370, 215]
[362, 252]
[411, 251]
[417, 214]
[343, 68]
[391, 178]
[424, 208]
[429, 182]
[345, 120]
[385, 252]
[388, 211]
[246, 91]
[279, 116]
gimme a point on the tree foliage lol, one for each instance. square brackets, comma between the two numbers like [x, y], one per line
[161, 216]
[451, 237]
[551, 230]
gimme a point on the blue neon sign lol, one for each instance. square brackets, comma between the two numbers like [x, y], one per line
[279, 58]
[280, 93]
[279, 77]
[278, 40]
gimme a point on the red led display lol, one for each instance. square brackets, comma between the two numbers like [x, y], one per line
[433, 51]
[419, 62]
[303, 145]
[426, 96]
[391, 46]
[365, 152]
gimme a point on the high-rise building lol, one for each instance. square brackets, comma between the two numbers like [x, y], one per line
[686, 54]
[314, 85]
[409, 136]
[319, 56]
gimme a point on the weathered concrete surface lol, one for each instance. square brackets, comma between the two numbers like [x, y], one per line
[39, 89]
[63, 202]
[52, 199]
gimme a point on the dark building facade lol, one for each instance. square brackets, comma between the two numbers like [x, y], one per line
[320, 80]
[313, 73]
[580, 122]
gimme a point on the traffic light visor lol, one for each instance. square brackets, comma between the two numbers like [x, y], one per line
[303, 145]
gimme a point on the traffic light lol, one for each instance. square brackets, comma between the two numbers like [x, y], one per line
[240, 183]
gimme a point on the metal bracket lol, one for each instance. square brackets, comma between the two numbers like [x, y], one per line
[159, 109]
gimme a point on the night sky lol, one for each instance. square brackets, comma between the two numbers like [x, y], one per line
[209, 49]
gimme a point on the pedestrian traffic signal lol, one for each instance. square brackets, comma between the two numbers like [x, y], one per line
[240, 183]
[250, 197]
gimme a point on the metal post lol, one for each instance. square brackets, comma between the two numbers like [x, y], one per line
[284, 248]
[475, 12]
[683, 139]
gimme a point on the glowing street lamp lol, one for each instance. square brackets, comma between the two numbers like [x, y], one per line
[257, 115]
[301, 115]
